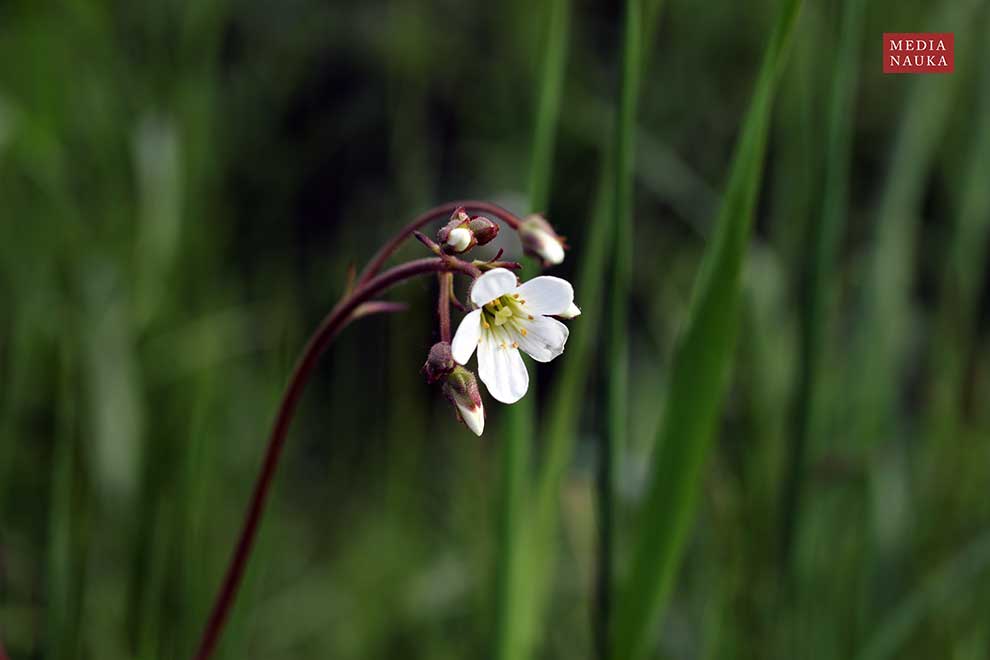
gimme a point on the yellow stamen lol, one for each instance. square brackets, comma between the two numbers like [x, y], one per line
[530, 317]
[523, 331]
[515, 345]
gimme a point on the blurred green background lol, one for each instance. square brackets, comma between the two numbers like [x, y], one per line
[184, 185]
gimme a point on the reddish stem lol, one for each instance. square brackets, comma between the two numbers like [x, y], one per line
[446, 281]
[426, 217]
[335, 321]
[3, 653]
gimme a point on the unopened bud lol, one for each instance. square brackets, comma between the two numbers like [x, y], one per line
[541, 241]
[459, 239]
[484, 230]
[439, 364]
[461, 389]
[456, 236]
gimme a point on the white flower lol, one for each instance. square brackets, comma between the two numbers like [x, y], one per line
[571, 312]
[512, 317]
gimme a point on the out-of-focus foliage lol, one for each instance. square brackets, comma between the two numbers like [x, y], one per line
[184, 185]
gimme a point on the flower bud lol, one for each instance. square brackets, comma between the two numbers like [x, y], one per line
[459, 239]
[439, 364]
[461, 389]
[484, 230]
[456, 236]
[541, 241]
[571, 312]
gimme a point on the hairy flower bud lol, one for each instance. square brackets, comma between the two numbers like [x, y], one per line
[484, 230]
[461, 389]
[439, 364]
[541, 241]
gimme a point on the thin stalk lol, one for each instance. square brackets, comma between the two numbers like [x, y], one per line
[335, 321]
[616, 350]
[445, 281]
[3, 652]
[823, 247]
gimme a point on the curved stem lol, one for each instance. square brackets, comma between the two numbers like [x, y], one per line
[426, 217]
[335, 321]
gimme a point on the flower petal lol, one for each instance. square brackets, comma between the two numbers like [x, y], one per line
[473, 418]
[544, 339]
[496, 282]
[501, 368]
[466, 338]
[572, 312]
[547, 295]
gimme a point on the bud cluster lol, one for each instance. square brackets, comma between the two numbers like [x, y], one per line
[464, 232]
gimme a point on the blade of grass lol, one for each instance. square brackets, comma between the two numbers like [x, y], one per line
[822, 252]
[950, 583]
[616, 349]
[959, 286]
[698, 376]
[515, 619]
[880, 344]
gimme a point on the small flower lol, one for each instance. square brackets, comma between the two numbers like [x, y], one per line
[541, 241]
[461, 389]
[512, 317]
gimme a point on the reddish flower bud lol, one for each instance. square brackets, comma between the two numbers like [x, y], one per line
[484, 230]
[461, 389]
[439, 364]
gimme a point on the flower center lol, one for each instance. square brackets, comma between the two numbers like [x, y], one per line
[508, 311]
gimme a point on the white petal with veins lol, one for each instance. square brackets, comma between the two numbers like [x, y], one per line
[466, 338]
[501, 367]
[544, 339]
[547, 295]
[492, 284]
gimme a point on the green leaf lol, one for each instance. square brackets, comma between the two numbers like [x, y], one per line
[698, 377]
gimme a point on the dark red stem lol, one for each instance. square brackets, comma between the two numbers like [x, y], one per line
[3, 653]
[426, 217]
[339, 317]
[446, 281]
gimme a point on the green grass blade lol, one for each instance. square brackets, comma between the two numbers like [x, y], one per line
[885, 327]
[960, 285]
[616, 349]
[953, 581]
[515, 625]
[698, 376]
[823, 243]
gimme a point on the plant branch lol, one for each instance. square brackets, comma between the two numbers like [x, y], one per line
[331, 325]
[446, 282]
[426, 217]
